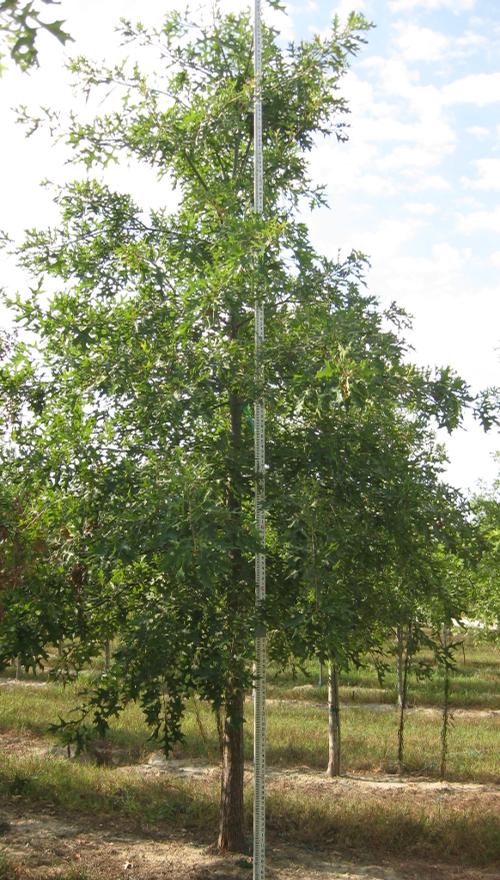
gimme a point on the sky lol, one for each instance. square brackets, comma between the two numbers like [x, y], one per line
[416, 188]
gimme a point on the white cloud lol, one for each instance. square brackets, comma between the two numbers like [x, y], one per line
[479, 221]
[419, 43]
[488, 175]
[434, 182]
[456, 320]
[434, 275]
[494, 259]
[383, 244]
[431, 5]
[394, 76]
[477, 88]
[283, 22]
[466, 449]
[400, 120]
[471, 40]
[478, 131]
[345, 7]
[468, 203]
[412, 161]
[421, 209]
[351, 167]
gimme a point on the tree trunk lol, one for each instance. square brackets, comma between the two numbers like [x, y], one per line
[399, 660]
[107, 655]
[231, 821]
[333, 721]
[220, 732]
[446, 706]
[320, 677]
[402, 708]
[18, 667]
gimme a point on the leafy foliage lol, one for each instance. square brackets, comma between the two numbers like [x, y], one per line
[20, 25]
[485, 587]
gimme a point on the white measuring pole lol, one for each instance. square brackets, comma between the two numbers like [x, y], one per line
[259, 694]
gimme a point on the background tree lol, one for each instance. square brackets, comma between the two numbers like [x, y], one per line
[485, 583]
[365, 504]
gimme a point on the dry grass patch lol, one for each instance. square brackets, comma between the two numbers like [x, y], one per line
[403, 824]
[460, 827]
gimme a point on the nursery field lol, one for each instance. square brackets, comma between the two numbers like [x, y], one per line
[122, 810]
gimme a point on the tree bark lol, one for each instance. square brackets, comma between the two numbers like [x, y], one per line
[220, 732]
[333, 721]
[107, 655]
[320, 677]
[232, 819]
[402, 708]
[399, 661]
[231, 822]
[446, 706]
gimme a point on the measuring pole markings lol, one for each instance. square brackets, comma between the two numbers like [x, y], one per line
[259, 823]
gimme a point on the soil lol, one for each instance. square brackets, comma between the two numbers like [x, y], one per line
[44, 846]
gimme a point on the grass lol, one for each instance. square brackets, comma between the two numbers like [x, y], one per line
[297, 735]
[474, 682]
[402, 823]
[387, 824]
[84, 788]
[31, 710]
[297, 730]
[8, 870]
[77, 874]
[396, 823]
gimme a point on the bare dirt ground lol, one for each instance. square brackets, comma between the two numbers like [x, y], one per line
[45, 845]
[16, 743]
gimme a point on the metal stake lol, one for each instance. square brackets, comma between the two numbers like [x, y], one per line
[259, 820]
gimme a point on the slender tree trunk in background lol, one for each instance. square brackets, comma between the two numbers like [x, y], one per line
[107, 655]
[333, 721]
[220, 732]
[231, 825]
[320, 677]
[402, 708]
[232, 818]
[446, 706]
[18, 667]
[400, 664]
[60, 648]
